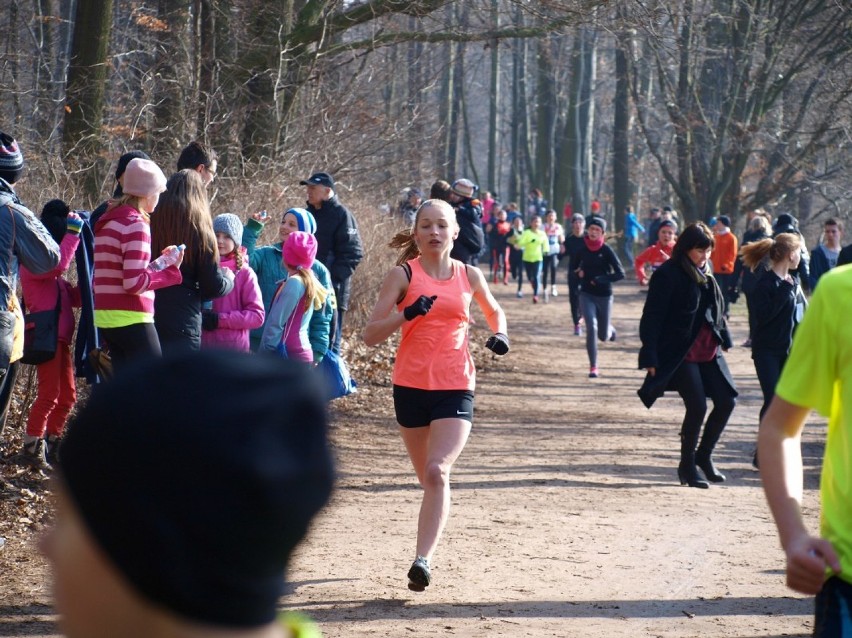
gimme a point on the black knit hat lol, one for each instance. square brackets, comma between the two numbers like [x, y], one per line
[198, 474]
[54, 216]
[594, 220]
[11, 159]
[123, 161]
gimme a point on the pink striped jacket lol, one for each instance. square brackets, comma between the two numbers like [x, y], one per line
[122, 279]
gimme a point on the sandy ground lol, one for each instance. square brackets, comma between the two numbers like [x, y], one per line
[567, 516]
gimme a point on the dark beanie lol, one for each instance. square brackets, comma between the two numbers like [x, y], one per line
[725, 220]
[597, 221]
[54, 216]
[11, 159]
[123, 161]
[198, 474]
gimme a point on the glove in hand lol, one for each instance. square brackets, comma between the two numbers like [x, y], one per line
[74, 223]
[421, 306]
[209, 320]
[498, 343]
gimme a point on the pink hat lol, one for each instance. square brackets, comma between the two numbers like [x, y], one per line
[300, 249]
[143, 178]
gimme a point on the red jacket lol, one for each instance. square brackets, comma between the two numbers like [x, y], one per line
[655, 255]
[724, 256]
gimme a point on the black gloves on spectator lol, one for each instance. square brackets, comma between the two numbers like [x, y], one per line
[421, 306]
[209, 320]
[498, 343]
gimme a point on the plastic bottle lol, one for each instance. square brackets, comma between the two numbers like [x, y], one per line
[168, 258]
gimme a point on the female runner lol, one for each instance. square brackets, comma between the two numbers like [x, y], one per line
[433, 374]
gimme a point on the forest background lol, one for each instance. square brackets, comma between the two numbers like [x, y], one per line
[711, 106]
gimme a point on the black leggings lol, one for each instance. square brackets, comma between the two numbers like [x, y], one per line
[695, 383]
[136, 341]
[768, 366]
[549, 267]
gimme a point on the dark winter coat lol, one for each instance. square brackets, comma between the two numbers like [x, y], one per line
[777, 306]
[471, 239]
[601, 268]
[339, 245]
[674, 310]
[177, 309]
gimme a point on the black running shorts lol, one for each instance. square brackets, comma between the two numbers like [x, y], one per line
[418, 408]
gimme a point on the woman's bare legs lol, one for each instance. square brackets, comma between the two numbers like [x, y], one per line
[433, 450]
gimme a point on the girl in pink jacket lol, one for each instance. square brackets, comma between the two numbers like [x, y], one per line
[57, 391]
[227, 321]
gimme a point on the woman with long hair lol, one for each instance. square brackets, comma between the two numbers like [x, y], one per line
[683, 332]
[778, 305]
[428, 295]
[183, 217]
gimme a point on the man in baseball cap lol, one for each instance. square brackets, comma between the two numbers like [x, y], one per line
[339, 245]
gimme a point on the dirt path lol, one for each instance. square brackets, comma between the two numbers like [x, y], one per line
[567, 517]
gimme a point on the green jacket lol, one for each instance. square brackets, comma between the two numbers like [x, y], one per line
[266, 263]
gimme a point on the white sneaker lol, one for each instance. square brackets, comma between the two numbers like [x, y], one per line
[554, 292]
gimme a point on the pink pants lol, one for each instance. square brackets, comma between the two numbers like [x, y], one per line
[57, 393]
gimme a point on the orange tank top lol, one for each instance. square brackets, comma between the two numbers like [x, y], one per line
[433, 352]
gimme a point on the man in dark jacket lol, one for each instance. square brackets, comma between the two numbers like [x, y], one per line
[471, 239]
[23, 240]
[339, 245]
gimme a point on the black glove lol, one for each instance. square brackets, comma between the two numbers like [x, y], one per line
[209, 320]
[498, 343]
[419, 307]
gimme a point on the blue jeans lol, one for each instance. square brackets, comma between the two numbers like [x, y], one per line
[833, 618]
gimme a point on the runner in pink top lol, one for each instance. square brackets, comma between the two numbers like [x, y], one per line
[428, 296]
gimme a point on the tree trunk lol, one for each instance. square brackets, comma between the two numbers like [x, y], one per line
[493, 102]
[545, 120]
[84, 102]
[622, 186]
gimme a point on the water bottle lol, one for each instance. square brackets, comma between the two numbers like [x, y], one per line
[168, 258]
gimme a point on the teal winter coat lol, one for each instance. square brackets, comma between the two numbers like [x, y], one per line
[266, 263]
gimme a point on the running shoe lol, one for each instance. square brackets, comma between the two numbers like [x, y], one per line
[747, 343]
[419, 575]
[577, 331]
[613, 336]
[535, 298]
[593, 372]
[554, 292]
[519, 294]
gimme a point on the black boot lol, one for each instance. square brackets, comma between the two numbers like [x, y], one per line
[686, 471]
[688, 475]
[704, 456]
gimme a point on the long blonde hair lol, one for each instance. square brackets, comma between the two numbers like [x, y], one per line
[777, 249]
[134, 201]
[315, 292]
[404, 240]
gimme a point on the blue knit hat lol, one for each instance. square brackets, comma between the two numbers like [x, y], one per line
[306, 221]
[231, 225]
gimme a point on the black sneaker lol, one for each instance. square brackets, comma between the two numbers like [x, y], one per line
[52, 451]
[33, 455]
[419, 575]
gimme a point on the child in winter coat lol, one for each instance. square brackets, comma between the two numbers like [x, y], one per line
[57, 391]
[286, 329]
[268, 264]
[226, 324]
[125, 277]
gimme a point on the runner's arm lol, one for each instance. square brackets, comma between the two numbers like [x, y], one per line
[384, 320]
[494, 314]
[780, 454]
